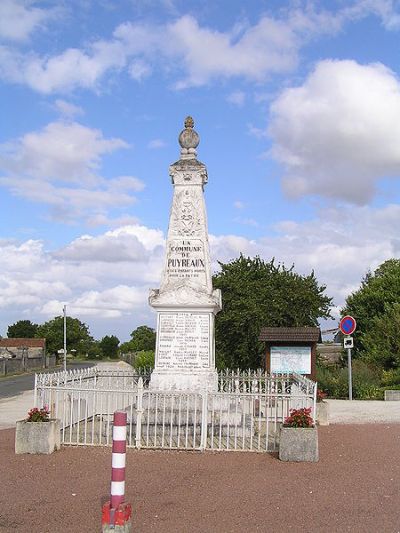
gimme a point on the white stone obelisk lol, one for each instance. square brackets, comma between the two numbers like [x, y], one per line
[186, 303]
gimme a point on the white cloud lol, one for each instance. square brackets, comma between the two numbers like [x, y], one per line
[139, 70]
[67, 109]
[192, 54]
[59, 166]
[196, 54]
[340, 244]
[387, 10]
[236, 98]
[238, 204]
[247, 221]
[108, 276]
[100, 219]
[61, 152]
[339, 132]
[128, 243]
[155, 144]
[64, 72]
[110, 303]
[19, 18]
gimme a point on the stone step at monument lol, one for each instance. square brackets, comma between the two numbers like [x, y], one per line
[232, 415]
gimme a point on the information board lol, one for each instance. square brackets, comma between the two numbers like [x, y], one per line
[183, 340]
[291, 359]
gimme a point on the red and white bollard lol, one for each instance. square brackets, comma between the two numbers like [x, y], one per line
[116, 514]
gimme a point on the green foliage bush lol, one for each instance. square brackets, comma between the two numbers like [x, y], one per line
[144, 360]
[391, 377]
[366, 381]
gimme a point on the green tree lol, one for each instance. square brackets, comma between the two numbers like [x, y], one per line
[22, 328]
[143, 338]
[109, 346]
[381, 343]
[256, 293]
[78, 336]
[144, 360]
[371, 305]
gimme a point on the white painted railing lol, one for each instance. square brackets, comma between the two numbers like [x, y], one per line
[244, 415]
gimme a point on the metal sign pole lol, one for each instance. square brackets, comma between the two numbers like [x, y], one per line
[348, 326]
[350, 376]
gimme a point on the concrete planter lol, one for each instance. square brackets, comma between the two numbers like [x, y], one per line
[37, 437]
[323, 413]
[298, 444]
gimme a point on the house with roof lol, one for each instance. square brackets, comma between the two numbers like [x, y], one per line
[22, 347]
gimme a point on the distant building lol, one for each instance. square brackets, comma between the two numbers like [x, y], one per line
[20, 348]
[330, 352]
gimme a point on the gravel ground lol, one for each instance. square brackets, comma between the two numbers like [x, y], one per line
[354, 487]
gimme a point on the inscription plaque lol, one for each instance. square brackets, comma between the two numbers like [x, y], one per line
[185, 259]
[183, 340]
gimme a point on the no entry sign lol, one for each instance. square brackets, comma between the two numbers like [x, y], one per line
[347, 325]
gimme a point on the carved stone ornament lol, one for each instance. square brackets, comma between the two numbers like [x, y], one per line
[189, 138]
[186, 219]
[184, 295]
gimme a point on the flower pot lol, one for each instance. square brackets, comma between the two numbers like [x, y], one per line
[37, 437]
[323, 413]
[298, 444]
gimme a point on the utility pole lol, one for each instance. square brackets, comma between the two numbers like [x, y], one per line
[65, 338]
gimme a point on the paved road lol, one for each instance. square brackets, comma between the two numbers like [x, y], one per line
[15, 385]
[16, 394]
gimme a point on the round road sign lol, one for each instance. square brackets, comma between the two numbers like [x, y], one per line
[347, 325]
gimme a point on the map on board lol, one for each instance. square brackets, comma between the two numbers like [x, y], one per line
[291, 359]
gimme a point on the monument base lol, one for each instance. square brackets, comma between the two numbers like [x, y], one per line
[187, 380]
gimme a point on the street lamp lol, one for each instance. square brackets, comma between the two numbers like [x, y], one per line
[65, 338]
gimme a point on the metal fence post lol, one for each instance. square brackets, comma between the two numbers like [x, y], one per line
[204, 416]
[139, 411]
[35, 393]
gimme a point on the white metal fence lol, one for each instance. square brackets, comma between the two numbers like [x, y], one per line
[245, 414]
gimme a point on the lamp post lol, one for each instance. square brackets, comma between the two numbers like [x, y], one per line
[65, 337]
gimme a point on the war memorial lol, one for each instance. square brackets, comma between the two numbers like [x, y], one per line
[186, 302]
[184, 403]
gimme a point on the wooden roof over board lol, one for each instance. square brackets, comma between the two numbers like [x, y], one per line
[304, 334]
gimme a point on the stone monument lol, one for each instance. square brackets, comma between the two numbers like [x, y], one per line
[186, 303]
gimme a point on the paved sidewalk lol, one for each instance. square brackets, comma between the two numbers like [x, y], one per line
[15, 408]
[363, 411]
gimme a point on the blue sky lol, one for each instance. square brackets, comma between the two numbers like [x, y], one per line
[297, 105]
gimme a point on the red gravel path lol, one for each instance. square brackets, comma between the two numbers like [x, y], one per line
[354, 487]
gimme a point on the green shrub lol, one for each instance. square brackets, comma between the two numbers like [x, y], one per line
[366, 381]
[365, 377]
[144, 360]
[330, 380]
[391, 377]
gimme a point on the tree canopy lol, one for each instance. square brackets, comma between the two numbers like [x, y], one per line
[143, 338]
[376, 308]
[22, 329]
[109, 346]
[78, 336]
[256, 293]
